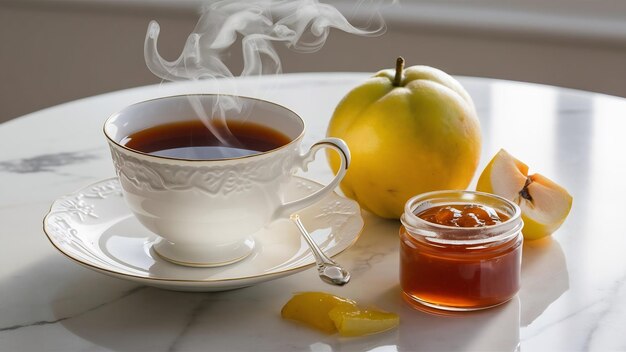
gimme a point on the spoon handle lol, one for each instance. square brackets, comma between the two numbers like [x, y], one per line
[320, 257]
[328, 270]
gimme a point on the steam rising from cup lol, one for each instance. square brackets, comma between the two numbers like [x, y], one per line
[302, 25]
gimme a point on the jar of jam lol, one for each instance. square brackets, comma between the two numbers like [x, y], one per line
[460, 250]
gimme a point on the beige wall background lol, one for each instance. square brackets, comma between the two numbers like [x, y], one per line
[57, 51]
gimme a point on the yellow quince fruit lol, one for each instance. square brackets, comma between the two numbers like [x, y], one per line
[409, 131]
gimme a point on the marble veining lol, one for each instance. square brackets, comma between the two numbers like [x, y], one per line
[58, 320]
[546, 328]
[366, 261]
[611, 311]
[46, 162]
[191, 322]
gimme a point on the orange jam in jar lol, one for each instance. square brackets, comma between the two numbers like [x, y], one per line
[460, 250]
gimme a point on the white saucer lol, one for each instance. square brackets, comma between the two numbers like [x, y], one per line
[94, 227]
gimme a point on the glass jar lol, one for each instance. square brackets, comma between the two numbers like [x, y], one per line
[459, 268]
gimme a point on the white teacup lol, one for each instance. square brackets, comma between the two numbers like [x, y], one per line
[206, 211]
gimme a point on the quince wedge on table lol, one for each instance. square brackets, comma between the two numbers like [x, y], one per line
[544, 203]
[354, 321]
[330, 314]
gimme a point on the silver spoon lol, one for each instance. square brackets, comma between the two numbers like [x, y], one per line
[328, 270]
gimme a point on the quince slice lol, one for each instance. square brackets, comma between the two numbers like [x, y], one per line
[544, 204]
[359, 322]
[312, 308]
[330, 314]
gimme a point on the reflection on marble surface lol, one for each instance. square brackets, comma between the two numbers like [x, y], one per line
[573, 295]
[544, 277]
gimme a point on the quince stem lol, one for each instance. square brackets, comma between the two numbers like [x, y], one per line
[397, 81]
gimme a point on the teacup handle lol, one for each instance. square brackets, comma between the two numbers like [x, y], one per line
[285, 210]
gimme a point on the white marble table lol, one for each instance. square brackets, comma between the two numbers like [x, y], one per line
[573, 294]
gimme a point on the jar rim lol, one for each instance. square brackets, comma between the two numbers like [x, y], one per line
[460, 235]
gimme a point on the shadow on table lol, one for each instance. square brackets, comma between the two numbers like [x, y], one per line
[544, 277]
[140, 319]
[150, 319]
